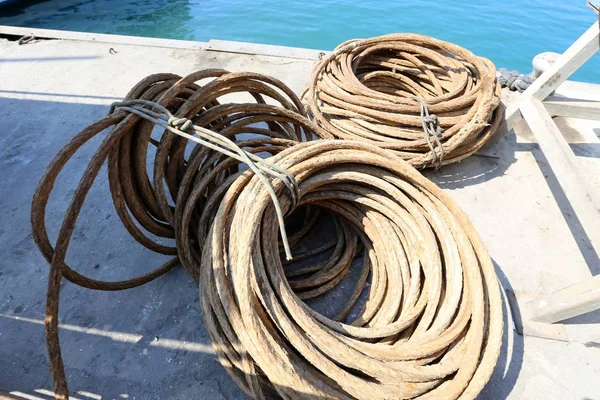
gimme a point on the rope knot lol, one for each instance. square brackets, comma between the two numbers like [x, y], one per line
[431, 119]
[513, 80]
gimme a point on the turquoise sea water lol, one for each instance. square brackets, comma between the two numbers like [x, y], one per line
[509, 32]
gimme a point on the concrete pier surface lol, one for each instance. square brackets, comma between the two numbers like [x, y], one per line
[150, 342]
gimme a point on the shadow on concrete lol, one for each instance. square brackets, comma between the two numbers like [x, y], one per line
[123, 365]
[513, 346]
[490, 162]
[579, 234]
[588, 150]
[169, 360]
[584, 319]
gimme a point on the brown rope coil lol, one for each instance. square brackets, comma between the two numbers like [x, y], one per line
[431, 325]
[194, 179]
[373, 90]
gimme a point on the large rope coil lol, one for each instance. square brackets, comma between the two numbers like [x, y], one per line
[175, 200]
[374, 90]
[431, 325]
[429, 317]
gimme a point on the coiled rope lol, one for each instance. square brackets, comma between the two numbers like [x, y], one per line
[140, 199]
[431, 326]
[374, 90]
[219, 143]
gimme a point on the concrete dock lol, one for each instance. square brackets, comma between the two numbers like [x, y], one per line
[149, 342]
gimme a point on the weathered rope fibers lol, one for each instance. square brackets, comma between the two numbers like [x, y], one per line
[374, 89]
[221, 144]
[137, 196]
[432, 321]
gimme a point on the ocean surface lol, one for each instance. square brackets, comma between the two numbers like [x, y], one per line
[509, 32]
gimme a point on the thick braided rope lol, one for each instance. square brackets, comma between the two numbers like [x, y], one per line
[373, 90]
[431, 325]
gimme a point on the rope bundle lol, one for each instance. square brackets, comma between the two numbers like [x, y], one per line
[431, 326]
[373, 90]
[192, 179]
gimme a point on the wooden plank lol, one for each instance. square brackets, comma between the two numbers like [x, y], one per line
[562, 107]
[228, 46]
[577, 90]
[525, 325]
[101, 37]
[512, 115]
[570, 61]
[579, 191]
[578, 299]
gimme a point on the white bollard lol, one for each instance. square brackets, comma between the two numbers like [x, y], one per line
[542, 62]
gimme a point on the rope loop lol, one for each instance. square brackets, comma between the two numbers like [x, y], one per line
[443, 342]
[223, 145]
[167, 197]
[27, 39]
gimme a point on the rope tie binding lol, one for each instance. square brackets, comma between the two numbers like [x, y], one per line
[221, 144]
[431, 128]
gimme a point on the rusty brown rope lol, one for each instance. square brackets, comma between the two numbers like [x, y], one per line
[192, 180]
[373, 90]
[431, 326]
[431, 322]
